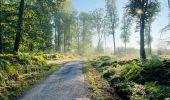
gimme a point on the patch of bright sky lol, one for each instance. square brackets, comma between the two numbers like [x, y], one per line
[160, 22]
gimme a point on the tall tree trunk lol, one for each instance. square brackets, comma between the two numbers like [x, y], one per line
[104, 43]
[142, 44]
[98, 47]
[78, 40]
[114, 43]
[55, 40]
[59, 40]
[65, 35]
[69, 38]
[19, 28]
[1, 45]
[59, 36]
[149, 37]
[125, 48]
[169, 4]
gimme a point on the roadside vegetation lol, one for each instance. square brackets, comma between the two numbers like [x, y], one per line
[133, 79]
[19, 72]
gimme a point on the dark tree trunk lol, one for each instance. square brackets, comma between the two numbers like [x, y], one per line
[1, 45]
[19, 28]
[142, 44]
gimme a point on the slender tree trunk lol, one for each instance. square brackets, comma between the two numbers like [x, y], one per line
[114, 43]
[59, 40]
[169, 4]
[105, 43]
[19, 28]
[149, 37]
[56, 41]
[65, 35]
[59, 35]
[125, 49]
[142, 44]
[98, 41]
[1, 45]
[69, 38]
[78, 39]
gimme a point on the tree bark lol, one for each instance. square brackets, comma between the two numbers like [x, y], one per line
[169, 4]
[59, 37]
[1, 45]
[114, 43]
[56, 41]
[104, 43]
[65, 33]
[78, 39]
[149, 37]
[19, 28]
[142, 44]
[59, 42]
[125, 48]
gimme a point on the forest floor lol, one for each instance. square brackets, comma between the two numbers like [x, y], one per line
[67, 83]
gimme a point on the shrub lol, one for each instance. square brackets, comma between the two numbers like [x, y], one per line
[131, 71]
[153, 63]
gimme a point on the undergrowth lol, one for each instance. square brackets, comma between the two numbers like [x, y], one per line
[99, 87]
[19, 72]
[134, 79]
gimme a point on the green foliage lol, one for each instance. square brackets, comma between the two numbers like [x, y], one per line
[20, 72]
[137, 80]
[153, 63]
[131, 71]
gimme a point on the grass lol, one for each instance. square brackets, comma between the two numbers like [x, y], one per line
[19, 72]
[99, 87]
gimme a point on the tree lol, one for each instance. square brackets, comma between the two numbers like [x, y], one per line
[113, 17]
[86, 35]
[167, 27]
[98, 22]
[126, 25]
[169, 3]
[141, 9]
[105, 31]
[19, 28]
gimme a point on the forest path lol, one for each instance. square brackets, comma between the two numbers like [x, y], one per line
[67, 83]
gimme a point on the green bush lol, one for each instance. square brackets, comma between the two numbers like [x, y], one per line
[153, 63]
[131, 71]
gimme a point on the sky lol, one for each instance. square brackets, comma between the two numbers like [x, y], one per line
[159, 23]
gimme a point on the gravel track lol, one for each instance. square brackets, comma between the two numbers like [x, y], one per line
[67, 83]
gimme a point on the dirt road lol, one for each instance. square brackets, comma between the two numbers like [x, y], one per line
[68, 83]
